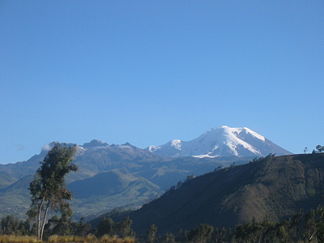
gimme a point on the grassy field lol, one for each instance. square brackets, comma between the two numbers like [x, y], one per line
[65, 239]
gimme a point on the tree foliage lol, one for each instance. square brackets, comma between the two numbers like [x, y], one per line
[151, 234]
[302, 227]
[11, 225]
[122, 228]
[201, 234]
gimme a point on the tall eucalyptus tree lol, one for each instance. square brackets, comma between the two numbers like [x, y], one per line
[48, 190]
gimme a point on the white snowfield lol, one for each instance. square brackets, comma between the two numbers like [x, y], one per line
[221, 141]
[153, 148]
[233, 141]
[176, 143]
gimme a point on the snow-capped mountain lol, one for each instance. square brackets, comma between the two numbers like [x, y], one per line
[219, 142]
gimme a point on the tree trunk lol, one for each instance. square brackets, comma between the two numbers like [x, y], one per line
[44, 221]
[39, 219]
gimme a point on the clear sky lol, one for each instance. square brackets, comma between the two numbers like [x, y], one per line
[149, 71]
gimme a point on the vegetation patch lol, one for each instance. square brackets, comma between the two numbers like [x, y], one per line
[18, 239]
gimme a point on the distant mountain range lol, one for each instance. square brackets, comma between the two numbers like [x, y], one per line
[270, 188]
[220, 142]
[111, 176]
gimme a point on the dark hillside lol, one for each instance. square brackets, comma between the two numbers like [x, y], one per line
[273, 188]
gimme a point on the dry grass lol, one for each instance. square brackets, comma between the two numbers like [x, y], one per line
[89, 239]
[66, 239]
[114, 239]
[18, 239]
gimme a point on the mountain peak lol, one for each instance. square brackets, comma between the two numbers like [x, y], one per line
[238, 130]
[255, 134]
[221, 141]
[94, 143]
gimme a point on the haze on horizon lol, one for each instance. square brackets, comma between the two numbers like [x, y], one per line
[146, 72]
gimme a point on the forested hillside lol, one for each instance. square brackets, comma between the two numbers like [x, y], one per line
[269, 188]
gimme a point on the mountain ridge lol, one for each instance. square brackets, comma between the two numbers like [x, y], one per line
[152, 175]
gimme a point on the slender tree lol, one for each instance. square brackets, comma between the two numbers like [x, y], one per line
[124, 227]
[151, 234]
[168, 238]
[48, 191]
[201, 234]
[106, 226]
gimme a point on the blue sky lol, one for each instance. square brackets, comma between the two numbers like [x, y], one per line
[146, 72]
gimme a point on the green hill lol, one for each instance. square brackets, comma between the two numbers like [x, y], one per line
[109, 190]
[15, 199]
[5, 179]
[103, 192]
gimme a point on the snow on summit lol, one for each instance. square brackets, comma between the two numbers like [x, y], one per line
[221, 141]
[247, 130]
[176, 143]
[239, 130]
[233, 141]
